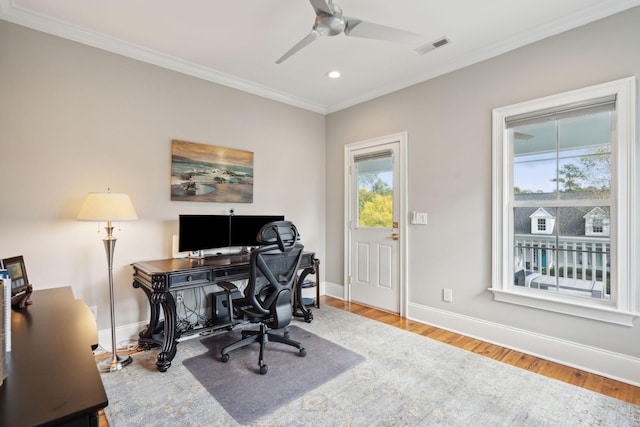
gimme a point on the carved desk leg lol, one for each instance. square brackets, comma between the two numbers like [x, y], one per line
[303, 311]
[170, 345]
[147, 339]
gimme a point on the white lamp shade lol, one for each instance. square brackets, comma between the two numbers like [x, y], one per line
[107, 207]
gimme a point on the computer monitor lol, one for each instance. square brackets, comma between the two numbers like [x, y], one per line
[202, 232]
[244, 228]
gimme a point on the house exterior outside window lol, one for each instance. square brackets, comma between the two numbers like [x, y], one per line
[542, 222]
[597, 223]
[562, 166]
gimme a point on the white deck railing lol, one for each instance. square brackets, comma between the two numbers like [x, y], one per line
[580, 264]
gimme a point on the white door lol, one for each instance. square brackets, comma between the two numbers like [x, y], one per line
[374, 223]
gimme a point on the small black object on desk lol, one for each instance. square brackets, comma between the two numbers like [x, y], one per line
[21, 301]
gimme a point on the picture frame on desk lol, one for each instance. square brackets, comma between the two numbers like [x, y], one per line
[17, 273]
[20, 288]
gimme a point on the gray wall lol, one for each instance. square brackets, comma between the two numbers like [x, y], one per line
[75, 119]
[448, 120]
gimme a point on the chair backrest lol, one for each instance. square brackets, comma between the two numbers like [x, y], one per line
[272, 272]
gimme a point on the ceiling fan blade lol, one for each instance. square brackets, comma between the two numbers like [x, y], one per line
[321, 5]
[368, 30]
[302, 43]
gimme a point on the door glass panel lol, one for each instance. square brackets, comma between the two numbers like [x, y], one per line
[375, 192]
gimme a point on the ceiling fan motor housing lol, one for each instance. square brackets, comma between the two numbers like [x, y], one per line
[330, 25]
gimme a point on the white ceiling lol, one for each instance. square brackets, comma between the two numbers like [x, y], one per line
[236, 42]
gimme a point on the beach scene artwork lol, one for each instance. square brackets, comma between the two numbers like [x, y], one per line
[208, 173]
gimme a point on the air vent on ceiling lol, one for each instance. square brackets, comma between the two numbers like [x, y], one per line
[433, 45]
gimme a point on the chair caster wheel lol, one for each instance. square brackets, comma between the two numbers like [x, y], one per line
[224, 358]
[302, 353]
[263, 369]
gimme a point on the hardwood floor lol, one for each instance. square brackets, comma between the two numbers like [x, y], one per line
[597, 383]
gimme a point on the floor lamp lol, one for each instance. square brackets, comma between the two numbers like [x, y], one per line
[108, 207]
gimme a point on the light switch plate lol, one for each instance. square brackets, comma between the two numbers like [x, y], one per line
[418, 218]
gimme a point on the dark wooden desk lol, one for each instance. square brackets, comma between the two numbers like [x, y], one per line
[53, 378]
[159, 278]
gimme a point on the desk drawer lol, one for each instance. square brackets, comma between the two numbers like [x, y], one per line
[190, 278]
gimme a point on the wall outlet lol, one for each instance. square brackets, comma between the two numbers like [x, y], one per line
[447, 295]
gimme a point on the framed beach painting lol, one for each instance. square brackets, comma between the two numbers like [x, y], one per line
[208, 173]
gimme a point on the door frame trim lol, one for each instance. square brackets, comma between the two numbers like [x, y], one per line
[402, 139]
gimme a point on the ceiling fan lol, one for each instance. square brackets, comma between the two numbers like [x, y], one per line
[331, 22]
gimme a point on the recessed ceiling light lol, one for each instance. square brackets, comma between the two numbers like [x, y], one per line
[333, 74]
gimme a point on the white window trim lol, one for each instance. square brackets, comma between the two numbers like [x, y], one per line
[622, 309]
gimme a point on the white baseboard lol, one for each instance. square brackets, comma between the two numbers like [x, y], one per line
[591, 359]
[333, 290]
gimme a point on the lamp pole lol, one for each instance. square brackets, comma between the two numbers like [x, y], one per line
[115, 362]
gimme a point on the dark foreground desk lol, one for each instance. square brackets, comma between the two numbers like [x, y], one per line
[158, 279]
[53, 378]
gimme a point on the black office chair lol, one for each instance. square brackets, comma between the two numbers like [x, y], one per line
[268, 296]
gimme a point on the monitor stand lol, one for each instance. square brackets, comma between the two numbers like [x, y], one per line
[196, 254]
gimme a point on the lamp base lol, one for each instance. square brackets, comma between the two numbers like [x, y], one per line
[114, 363]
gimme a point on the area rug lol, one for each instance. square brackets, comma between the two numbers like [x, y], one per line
[406, 380]
[245, 394]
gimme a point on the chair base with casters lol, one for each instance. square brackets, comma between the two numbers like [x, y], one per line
[262, 336]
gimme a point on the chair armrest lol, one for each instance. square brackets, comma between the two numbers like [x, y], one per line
[228, 287]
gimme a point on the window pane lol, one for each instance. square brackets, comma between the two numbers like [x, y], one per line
[534, 180]
[571, 155]
[375, 193]
[534, 163]
[584, 147]
[575, 259]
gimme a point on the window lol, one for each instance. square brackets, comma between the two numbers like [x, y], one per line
[375, 189]
[597, 226]
[563, 183]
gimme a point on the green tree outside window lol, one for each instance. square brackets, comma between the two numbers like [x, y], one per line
[375, 202]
